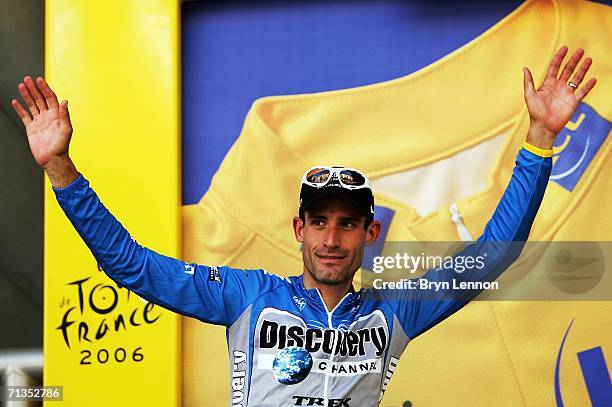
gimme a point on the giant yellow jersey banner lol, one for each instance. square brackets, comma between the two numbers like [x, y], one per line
[446, 134]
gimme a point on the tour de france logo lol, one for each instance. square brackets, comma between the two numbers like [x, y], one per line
[95, 308]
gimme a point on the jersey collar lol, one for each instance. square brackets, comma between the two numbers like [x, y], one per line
[314, 298]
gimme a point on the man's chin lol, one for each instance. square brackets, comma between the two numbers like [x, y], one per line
[332, 277]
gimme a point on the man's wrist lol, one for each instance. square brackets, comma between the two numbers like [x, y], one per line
[61, 171]
[540, 137]
[537, 151]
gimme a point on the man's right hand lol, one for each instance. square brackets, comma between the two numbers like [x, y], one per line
[48, 128]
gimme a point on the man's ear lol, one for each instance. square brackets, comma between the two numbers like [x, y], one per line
[298, 229]
[372, 233]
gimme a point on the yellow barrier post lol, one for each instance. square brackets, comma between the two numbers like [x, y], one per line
[117, 63]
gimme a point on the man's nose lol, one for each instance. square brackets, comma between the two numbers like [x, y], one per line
[332, 236]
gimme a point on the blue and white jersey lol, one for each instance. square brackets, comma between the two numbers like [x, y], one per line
[285, 347]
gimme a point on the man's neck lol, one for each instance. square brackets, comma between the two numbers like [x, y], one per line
[331, 294]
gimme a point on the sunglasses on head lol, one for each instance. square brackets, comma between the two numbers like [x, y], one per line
[349, 178]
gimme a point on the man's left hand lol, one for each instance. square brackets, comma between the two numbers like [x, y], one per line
[555, 101]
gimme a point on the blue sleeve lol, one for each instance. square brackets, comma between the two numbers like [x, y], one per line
[211, 294]
[503, 239]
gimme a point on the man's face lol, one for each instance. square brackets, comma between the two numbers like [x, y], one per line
[333, 237]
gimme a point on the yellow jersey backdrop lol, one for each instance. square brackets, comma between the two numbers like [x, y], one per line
[446, 134]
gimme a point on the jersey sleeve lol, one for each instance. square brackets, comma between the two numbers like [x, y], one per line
[211, 294]
[501, 244]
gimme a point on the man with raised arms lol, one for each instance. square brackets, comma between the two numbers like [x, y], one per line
[309, 339]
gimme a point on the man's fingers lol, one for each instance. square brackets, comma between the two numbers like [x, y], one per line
[63, 111]
[579, 76]
[38, 99]
[21, 112]
[571, 65]
[553, 69]
[49, 95]
[528, 83]
[583, 91]
[25, 94]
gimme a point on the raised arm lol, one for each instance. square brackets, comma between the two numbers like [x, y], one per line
[550, 107]
[211, 294]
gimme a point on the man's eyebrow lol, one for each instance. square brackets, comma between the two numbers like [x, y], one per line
[351, 218]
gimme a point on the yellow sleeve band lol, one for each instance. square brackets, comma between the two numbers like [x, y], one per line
[537, 151]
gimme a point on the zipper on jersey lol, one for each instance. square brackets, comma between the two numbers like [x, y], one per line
[456, 218]
[331, 356]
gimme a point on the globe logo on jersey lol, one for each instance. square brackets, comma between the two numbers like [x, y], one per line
[577, 144]
[291, 365]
